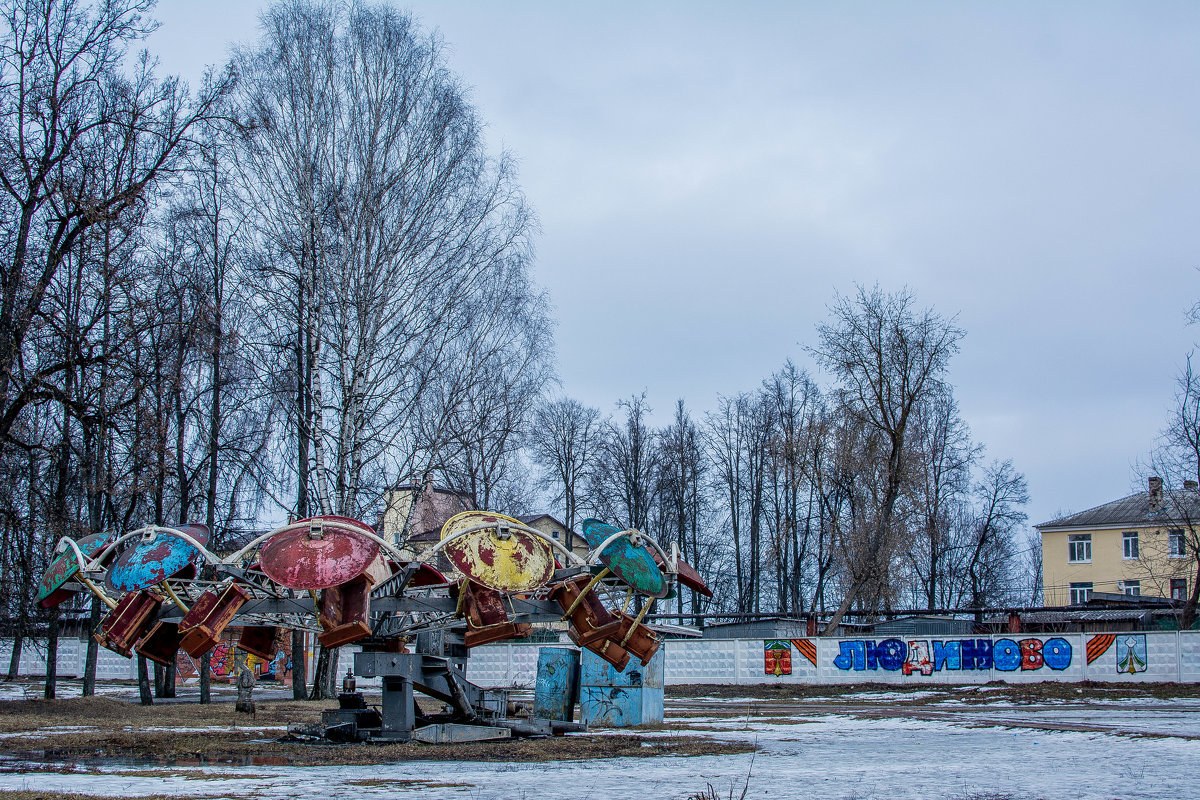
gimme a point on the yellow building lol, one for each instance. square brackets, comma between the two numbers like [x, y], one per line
[550, 526]
[1133, 546]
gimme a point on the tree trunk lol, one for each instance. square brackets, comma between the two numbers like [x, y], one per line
[52, 655]
[299, 666]
[206, 678]
[93, 651]
[325, 675]
[159, 682]
[169, 675]
[14, 661]
[144, 682]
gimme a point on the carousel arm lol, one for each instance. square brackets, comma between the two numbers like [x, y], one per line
[635, 538]
[497, 526]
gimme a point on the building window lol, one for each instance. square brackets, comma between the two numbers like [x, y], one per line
[1131, 588]
[554, 534]
[1079, 547]
[1129, 544]
[1179, 588]
[1175, 543]
[1080, 593]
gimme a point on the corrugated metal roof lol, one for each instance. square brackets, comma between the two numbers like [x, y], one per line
[1050, 617]
[1134, 511]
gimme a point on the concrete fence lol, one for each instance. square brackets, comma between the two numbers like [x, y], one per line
[1112, 657]
[1015, 658]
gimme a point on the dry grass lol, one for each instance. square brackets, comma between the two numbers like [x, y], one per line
[32, 794]
[118, 729]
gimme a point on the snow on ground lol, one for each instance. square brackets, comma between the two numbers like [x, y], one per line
[813, 756]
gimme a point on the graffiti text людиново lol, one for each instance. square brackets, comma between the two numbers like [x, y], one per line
[1006, 655]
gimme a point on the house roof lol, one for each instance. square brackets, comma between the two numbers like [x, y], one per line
[529, 519]
[1133, 511]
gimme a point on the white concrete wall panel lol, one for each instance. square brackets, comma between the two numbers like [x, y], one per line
[1019, 658]
[702, 661]
[1189, 656]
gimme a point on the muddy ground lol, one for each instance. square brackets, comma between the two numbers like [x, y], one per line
[191, 734]
[178, 734]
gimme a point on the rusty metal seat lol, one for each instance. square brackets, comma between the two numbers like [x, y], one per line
[201, 627]
[590, 620]
[607, 649]
[637, 638]
[259, 640]
[344, 611]
[161, 644]
[487, 618]
[129, 621]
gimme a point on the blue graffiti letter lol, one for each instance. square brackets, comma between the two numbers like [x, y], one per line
[890, 654]
[1057, 653]
[948, 655]
[976, 653]
[853, 655]
[1006, 655]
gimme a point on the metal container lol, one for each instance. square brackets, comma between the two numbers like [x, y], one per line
[557, 688]
[632, 696]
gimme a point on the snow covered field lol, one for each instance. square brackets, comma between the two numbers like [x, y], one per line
[870, 748]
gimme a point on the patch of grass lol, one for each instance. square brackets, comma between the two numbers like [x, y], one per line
[200, 749]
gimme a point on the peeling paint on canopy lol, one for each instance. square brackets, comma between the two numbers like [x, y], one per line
[515, 562]
[633, 564]
[66, 566]
[318, 553]
[157, 556]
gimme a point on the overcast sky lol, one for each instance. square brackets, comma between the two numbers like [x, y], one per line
[709, 175]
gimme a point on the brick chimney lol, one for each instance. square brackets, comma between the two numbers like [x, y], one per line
[1156, 493]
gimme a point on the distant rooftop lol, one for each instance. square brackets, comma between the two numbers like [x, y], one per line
[1135, 510]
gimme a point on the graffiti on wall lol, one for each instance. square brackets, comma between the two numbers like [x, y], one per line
[926, 656]
[777, 654]
[226, 660]
[1132, 655]
[1130, 650]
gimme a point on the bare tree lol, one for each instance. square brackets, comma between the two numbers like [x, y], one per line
[623, 484]
[1176, 458]
[682, 494]
[738, 437]
[888, 358]
[65, 97]
[370, 176]
[938, 487]
[1001, 494]
[563, 438]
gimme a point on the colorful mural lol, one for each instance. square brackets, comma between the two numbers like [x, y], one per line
[226, 660]
[777, 654]
[1131, 653]
[926, 656]
[807, 648]
[777, 657]
[1098, 645]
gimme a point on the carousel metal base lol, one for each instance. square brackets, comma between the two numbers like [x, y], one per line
[472, 714]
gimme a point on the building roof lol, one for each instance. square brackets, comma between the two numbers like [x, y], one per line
[1133, 511]
[1081, 615]
[529, 519]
